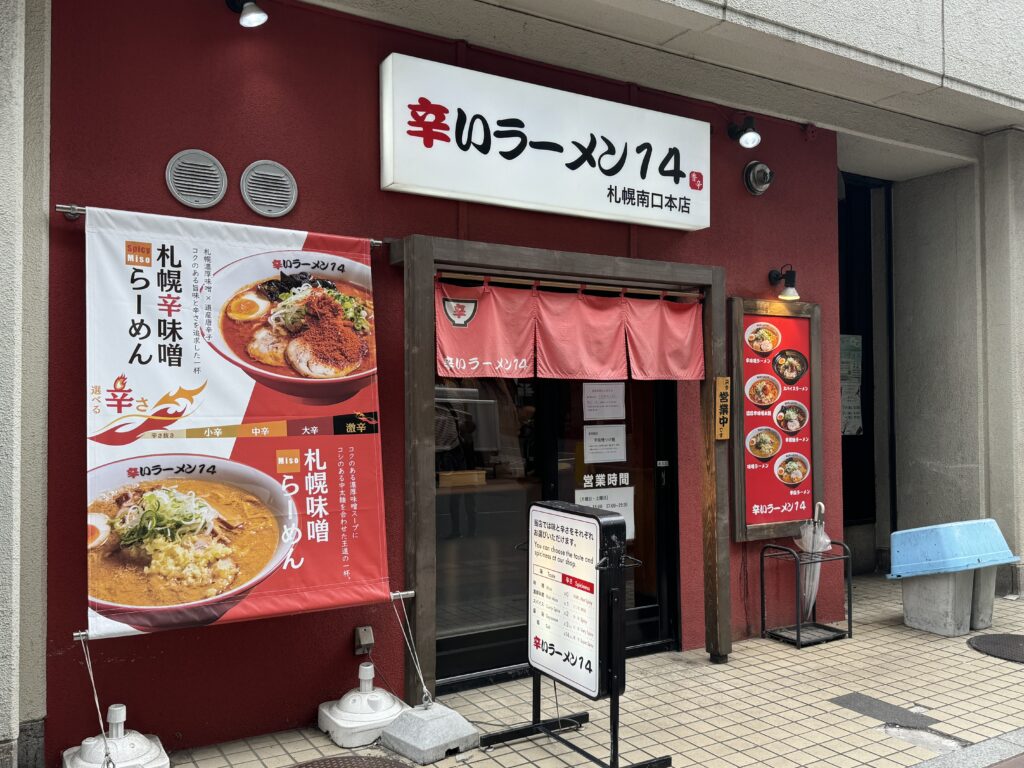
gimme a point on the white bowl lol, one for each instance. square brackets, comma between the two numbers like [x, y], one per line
[786, 456]
[110, 477]
[757, 377]
[751, 433]
[245, 272]
[753, 327]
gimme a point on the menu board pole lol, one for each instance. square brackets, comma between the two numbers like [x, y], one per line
[563, 553]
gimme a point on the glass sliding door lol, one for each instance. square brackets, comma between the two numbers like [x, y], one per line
[504, 444]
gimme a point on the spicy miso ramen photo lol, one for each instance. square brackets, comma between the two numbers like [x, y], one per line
[158, 545]
[303, 332]
[763, 390]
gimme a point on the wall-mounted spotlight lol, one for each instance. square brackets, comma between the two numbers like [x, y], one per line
[786, 276]
[249, 14]
[757, 177]
[745, 134]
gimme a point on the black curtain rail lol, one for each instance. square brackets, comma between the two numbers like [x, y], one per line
[540, 283]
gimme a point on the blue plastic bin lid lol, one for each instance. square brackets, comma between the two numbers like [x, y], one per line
[948, 548]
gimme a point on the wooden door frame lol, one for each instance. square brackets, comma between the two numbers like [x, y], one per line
[421, 258]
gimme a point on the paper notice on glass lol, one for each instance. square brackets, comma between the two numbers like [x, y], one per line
[850, 356]
[612, 500]
[604, 400]
[603, 443]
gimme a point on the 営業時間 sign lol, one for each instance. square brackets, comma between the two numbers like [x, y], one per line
[453, 132]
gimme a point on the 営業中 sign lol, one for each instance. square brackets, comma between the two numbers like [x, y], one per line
[723, 411]
[453, 132]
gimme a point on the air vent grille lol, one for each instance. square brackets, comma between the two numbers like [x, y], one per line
[269, 188]
[196, 178]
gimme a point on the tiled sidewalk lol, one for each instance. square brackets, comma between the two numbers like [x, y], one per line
[770, 705]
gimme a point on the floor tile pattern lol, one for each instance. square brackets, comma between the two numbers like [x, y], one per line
[769, 706]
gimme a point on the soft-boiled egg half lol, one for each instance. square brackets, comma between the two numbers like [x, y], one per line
[248, 306]
[97, 528]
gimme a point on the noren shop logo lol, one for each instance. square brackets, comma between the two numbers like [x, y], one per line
[459, 311]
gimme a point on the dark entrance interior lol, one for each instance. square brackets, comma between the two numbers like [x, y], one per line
[502, 444]
[865, 311]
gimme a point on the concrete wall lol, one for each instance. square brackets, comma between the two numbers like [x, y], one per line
[12, 46]
[32, 465]
[906, 36]
[938, 353]
[970, 46]
[982, 48]
[1003, 188]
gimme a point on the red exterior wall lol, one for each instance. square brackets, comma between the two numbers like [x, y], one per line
[130, 88]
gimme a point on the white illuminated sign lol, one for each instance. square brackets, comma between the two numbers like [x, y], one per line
[457, 133]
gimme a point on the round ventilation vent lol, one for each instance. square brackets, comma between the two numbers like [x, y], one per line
[196, 178]
[269, 188]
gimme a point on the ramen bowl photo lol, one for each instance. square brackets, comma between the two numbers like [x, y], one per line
[762, 338]
[790, 416]
[792, 468]
[763, 443]
[763, 390]
[303, 332]
[181, 549]
[790, 365]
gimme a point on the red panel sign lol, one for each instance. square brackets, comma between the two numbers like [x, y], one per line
[777, 412]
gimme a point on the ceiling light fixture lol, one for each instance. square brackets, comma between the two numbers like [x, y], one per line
[249, 14]
[786, 276]
[745, 134]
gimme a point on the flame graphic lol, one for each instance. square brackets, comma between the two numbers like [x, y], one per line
[120, 383]
[167, 410]
[365, 419]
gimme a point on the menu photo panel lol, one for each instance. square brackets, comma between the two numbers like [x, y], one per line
[777, 415]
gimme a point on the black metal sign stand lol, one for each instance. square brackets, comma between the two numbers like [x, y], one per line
[613, 568]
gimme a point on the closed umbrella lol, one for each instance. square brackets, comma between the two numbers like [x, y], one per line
[812, 539]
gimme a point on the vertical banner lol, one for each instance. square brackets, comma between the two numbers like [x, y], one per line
[232, 424]
[777, 381]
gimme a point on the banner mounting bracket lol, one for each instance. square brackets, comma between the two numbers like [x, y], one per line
[74, 212]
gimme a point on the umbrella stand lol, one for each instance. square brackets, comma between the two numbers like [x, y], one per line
[806, 632]
[812, 539]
